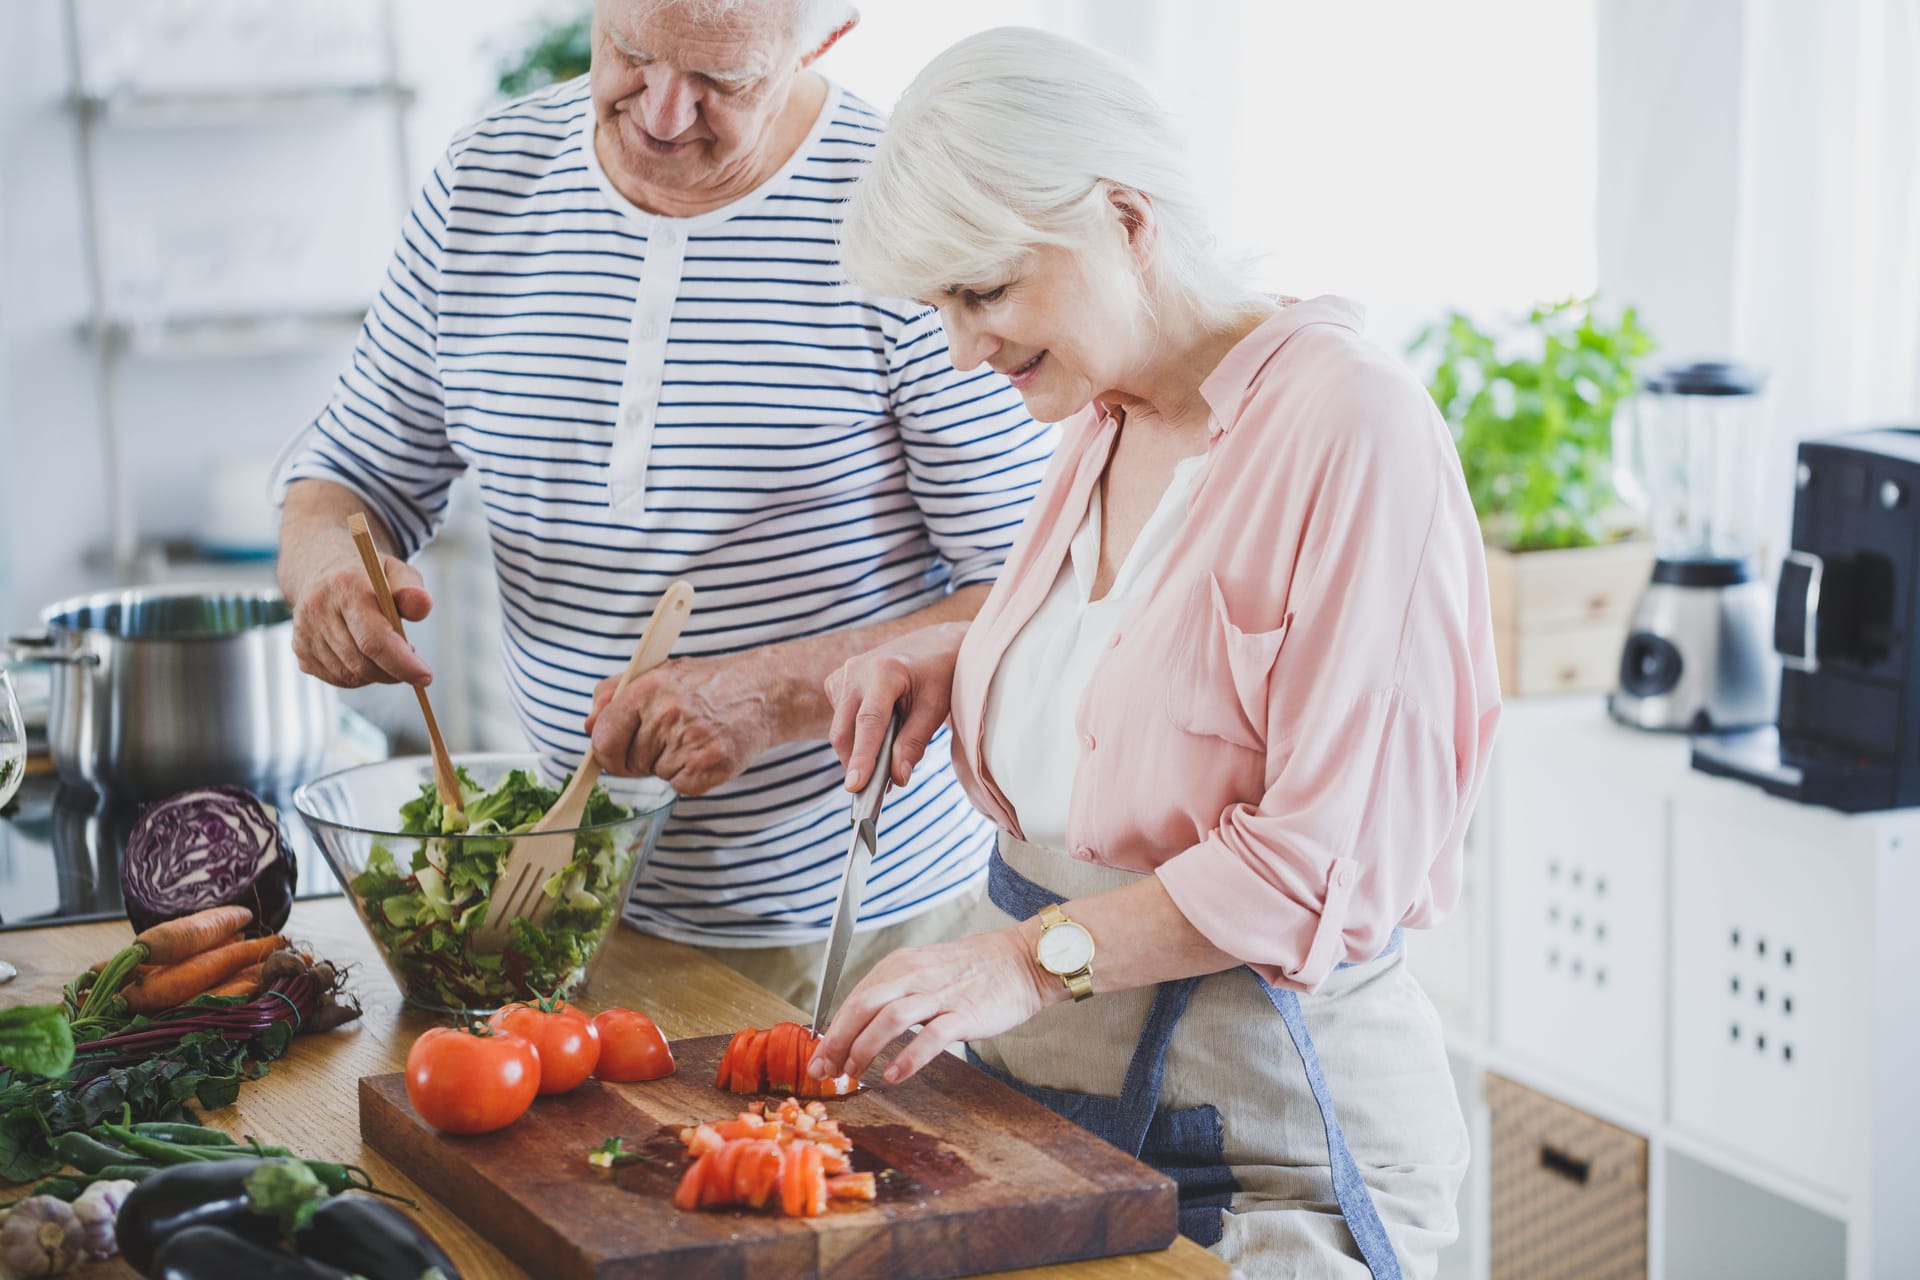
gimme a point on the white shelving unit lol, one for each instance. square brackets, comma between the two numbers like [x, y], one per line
[150, 94]
[1727, 974]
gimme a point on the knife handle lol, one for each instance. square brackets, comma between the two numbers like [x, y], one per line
[866, 806]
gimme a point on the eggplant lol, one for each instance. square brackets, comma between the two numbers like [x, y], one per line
[371, 1238]
[211, 1253]
[181, 1196]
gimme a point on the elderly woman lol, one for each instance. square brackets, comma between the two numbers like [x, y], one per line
[1230, 702]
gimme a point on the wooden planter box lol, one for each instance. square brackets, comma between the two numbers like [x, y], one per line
[1560, 617]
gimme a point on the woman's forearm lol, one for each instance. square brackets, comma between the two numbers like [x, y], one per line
[1139, 936]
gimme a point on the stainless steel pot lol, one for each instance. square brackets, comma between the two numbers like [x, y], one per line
[159, 689]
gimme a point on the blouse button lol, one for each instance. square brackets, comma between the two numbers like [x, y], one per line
[1343, 875]
[1086, 740]
[1084, 853]
[1113, 641]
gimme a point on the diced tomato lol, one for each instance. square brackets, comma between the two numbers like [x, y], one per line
[851, 1186]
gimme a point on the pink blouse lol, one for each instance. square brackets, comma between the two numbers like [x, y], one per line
[1290, 728]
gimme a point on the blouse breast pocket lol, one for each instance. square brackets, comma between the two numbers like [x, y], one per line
[1220, 673]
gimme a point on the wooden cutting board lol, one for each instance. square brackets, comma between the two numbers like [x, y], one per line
[974, 1177]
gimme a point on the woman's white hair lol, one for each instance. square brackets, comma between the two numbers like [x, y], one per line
[1016, 138]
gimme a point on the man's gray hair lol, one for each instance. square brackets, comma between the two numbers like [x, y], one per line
[810, 21]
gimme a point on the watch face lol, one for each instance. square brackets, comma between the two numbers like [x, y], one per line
[1065, 948]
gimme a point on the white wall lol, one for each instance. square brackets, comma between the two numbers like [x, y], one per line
[296, 212]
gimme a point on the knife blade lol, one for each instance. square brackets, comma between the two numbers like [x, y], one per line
[853, 880]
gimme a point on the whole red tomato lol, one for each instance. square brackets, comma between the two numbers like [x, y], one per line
[568, 1043]
[631, 1047]
[467, 1082]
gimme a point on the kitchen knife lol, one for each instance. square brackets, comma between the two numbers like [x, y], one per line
[853, 882]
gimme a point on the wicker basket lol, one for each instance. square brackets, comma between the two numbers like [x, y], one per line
[1569, 1191]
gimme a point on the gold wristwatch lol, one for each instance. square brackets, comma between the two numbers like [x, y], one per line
[1065, 950]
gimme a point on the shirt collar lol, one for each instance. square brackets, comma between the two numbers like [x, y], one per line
[1226, 389]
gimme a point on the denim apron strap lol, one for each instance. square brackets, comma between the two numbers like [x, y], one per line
[1139, 1097]
[1020, 898]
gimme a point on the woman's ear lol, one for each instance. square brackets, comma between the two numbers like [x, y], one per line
[1135, 211]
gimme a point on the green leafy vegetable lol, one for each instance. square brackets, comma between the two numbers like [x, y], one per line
[36, 1038]
[607, 1153]
[1531, 406]
[424, 912]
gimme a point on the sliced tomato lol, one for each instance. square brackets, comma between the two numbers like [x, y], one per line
[720, 1185]
[730, 1060]
[815, 1180]
[838, 1087]
[686, 1197]
[778, 1055]
[760, 1171]
[757, 1060]
[793, 1187]
[805, 1042]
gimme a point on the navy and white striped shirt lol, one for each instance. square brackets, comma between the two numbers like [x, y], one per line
[647, 398]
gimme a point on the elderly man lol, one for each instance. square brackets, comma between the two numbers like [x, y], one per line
[619, 302]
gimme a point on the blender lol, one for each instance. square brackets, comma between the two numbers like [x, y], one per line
[1699, 657]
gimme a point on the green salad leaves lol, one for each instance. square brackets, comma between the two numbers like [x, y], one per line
[422, 911]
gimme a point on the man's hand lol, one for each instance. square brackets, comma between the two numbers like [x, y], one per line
[339, 631]
[696, 722]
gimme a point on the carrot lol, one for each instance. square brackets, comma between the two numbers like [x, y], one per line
[171, 941]
[243, 983]
[178, 983]
[140, 970]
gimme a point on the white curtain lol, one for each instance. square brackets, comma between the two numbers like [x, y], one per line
[1760, 198]
[1826, 278]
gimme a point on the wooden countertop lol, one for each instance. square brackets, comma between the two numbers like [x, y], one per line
[308, 1100]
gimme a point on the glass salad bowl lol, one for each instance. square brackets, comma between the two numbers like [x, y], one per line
[422, 891]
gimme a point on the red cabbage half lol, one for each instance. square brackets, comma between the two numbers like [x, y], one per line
[211, 847]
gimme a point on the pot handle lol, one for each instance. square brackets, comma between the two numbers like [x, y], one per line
[40, 647]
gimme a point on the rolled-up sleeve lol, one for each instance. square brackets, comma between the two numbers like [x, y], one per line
[1379, 715]
[382, 432]
[974, 457]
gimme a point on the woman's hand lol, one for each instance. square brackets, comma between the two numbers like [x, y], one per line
[915, 672]
[966, 989]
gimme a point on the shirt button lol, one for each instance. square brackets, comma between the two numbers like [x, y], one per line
[668, 236]
[1343, 875]
[1084, 853]
[635, 415]
[1086, 740]
[650, 331]
[1113, 641]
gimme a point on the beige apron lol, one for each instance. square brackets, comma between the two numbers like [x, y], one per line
[1268, 1198]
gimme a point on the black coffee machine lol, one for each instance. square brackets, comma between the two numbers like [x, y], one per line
[1845, 619]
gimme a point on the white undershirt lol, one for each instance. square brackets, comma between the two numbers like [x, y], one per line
[1031, 749]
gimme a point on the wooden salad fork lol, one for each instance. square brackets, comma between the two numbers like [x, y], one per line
[518, 891]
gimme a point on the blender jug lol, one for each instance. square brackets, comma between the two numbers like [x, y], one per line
[1688, 452]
